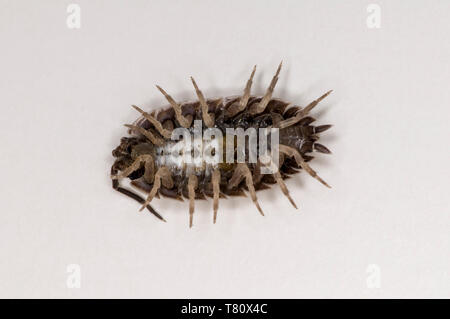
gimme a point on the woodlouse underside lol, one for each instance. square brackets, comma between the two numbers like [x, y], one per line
[140, 156]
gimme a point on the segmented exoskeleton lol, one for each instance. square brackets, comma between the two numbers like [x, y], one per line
[140, 157]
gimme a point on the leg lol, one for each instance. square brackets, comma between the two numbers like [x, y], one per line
[311, 105]
[163, 174]
[267, 161]
[207, 118]
[242, 171]
[284, 188]
[302, 113]
[152, 138]
[184, 121]
[261, 106]
[192, 185]
[216, 190]
[236, 108]
[149, 168]
[136, 197]
[157, 124]
[292, 152]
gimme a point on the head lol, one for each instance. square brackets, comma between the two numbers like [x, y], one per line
[129, 149]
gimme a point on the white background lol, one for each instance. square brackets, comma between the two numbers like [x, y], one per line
[66, 93]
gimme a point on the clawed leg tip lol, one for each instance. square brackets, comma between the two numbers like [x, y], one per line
[292, 202]
[326, 94]
[161, 219]
[259, 209]
[324, 183]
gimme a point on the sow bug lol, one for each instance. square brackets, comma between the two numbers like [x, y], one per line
[142, 156]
